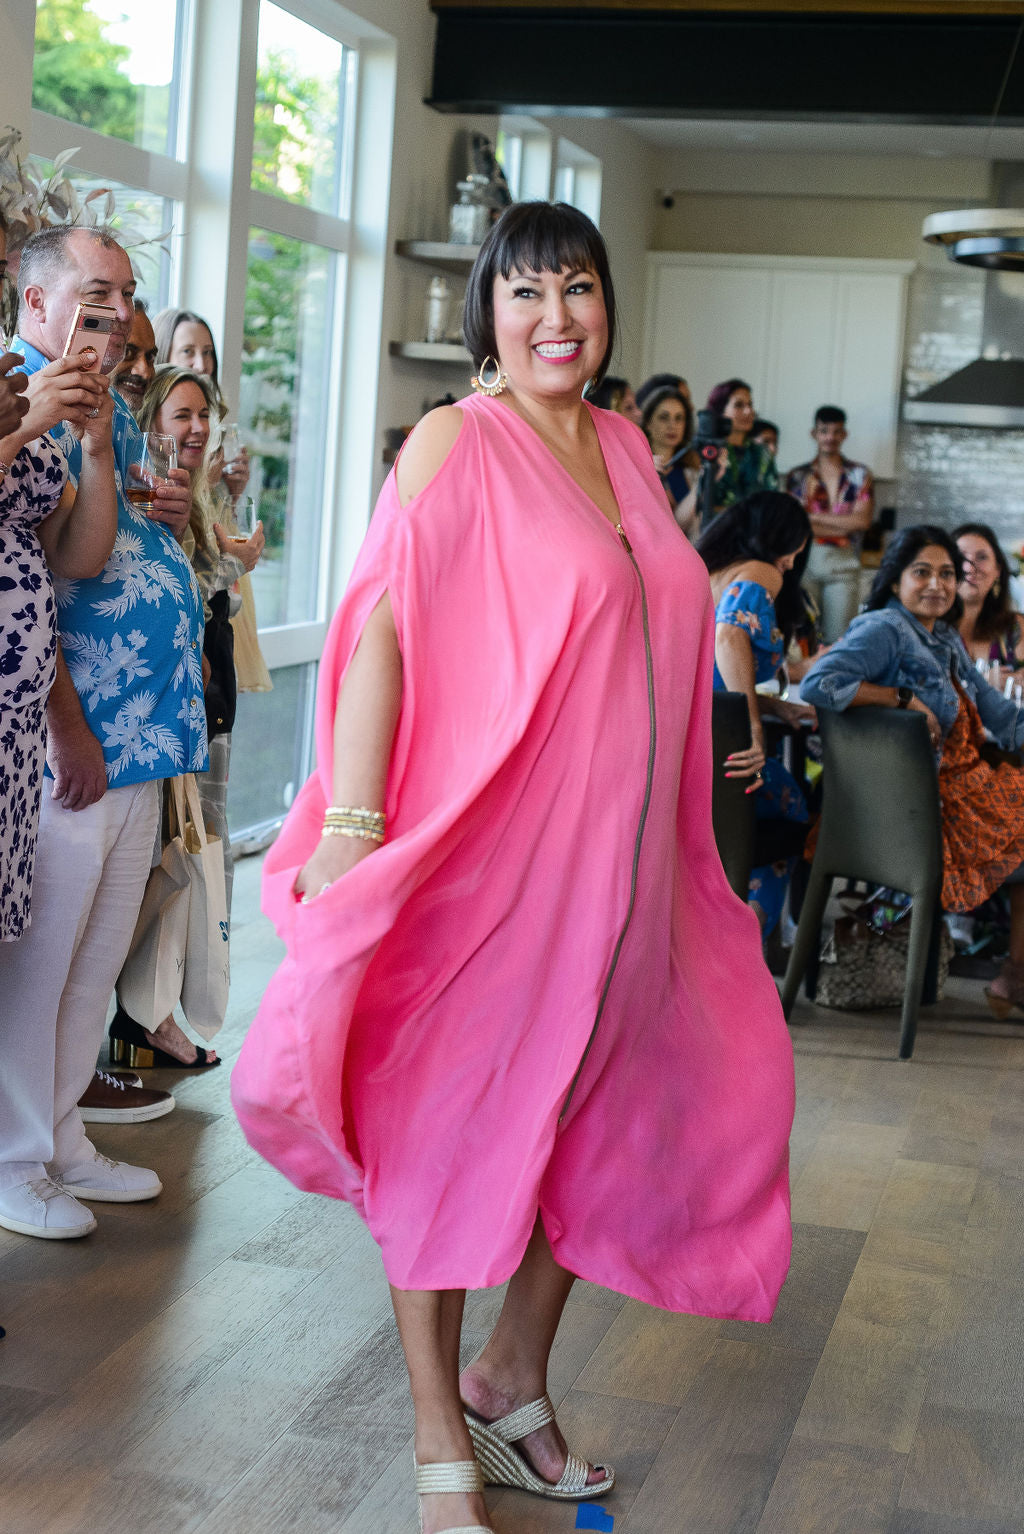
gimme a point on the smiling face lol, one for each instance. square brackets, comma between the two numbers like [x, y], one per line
[92, 273]
[192, 347]
[981, 568]
[185, 416]
[666, 427]
[136, 369]
[927, 586]
[551, 330]
[740, 411]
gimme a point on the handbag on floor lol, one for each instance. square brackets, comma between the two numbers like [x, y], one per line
[864, 962]
[179, 951]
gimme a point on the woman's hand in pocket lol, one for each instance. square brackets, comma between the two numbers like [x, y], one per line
[334, 856]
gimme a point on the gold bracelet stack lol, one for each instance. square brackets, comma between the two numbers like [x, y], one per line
[359, 822]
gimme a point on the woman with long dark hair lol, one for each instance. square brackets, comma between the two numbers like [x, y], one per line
[904, 651]
[499, 1031]
[755, 553]
[667, 422]
[990, 627]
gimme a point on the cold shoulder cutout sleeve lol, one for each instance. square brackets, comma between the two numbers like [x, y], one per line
[428, 445]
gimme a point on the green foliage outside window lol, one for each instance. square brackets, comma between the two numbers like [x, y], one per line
[80, 75]
[294, 142]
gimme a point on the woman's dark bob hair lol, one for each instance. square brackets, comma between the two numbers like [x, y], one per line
[765, 526]
[900, 552]
[534, 237]
[997, 617]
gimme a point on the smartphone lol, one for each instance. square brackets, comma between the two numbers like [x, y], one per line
[93, 325]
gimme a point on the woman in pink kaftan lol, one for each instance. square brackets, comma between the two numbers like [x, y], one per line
[537, 1013]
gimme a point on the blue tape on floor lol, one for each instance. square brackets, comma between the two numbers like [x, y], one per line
[590, 1516]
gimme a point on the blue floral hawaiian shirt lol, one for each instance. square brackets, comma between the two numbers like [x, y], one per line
[132, 636]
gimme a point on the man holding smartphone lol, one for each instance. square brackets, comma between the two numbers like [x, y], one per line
[125, 712]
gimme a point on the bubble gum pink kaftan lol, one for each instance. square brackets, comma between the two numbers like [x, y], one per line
[540, 992]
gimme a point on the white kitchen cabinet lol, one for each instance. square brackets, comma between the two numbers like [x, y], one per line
[801, 331]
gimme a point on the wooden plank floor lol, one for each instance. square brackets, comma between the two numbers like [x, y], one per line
[223, 1360]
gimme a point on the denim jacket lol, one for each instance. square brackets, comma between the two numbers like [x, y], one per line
[892, 649]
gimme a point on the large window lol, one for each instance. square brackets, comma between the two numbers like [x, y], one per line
[299, 142]
[113, 66]
[283, 410]
[155, 98]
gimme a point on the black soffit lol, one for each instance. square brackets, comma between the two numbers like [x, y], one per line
[858, 66]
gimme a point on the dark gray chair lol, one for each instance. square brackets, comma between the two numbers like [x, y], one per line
[881, 822]
[732, 809]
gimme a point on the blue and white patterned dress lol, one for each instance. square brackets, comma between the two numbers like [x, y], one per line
[747, 605]
[28, 647]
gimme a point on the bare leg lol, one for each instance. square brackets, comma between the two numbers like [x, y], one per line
[512, 1370]
[1010, 980]
[430, 1325]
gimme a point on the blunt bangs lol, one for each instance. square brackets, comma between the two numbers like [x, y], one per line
[534, 237]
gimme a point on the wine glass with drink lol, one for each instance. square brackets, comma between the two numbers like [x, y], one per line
[158, 456]
[245, 519]
[231, 446]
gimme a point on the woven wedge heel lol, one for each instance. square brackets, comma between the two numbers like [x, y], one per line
[454, 1476]
[504, 1465]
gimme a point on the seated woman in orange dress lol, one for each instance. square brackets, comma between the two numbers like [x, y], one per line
[904, 651]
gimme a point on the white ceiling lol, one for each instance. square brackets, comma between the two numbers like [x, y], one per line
[935, 141]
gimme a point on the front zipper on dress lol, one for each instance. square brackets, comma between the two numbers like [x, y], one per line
[641, 824]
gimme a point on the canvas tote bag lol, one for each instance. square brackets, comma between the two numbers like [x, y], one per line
[149, 987]
[207, 971]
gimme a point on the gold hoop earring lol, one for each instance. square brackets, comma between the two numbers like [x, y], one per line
[997, 589]
[497, 385]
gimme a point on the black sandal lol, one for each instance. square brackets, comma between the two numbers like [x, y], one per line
[129, 1045]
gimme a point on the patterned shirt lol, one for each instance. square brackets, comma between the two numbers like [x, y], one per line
[132, 636]
[747, 468]
[855, 486]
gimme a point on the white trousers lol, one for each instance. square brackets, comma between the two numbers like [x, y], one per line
[56, 981]
[833, 578]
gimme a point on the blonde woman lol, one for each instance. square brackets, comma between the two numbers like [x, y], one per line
[182, 404]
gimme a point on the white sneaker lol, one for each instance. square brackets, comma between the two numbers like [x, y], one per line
[110, 1182]
[42, 1208]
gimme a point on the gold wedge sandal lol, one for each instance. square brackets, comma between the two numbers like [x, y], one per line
[461, 1475]
[504, 1465]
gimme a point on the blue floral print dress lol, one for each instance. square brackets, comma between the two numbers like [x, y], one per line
[748, 606]
[31, 489]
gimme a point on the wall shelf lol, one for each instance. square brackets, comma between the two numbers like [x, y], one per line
[451, 258]
[431, 351]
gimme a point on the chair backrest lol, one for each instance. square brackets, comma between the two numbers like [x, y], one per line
[881, 818]
[732, 809]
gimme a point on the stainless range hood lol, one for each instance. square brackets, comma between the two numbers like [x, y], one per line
[988, 392]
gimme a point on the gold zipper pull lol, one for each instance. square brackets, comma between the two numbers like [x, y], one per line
[622, 538]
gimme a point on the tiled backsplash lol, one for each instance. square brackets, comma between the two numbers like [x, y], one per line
[949, 474]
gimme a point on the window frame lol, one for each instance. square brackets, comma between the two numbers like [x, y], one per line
[208, 182]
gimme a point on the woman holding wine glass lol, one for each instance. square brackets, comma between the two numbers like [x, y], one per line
[178, 407]
[186, 340]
